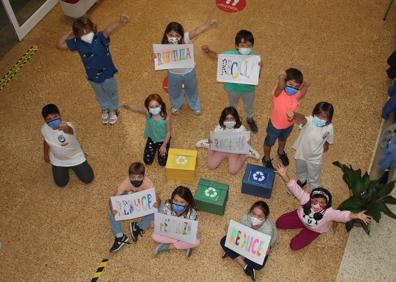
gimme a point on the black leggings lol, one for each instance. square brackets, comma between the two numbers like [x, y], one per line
[83, 171]
[151, 148]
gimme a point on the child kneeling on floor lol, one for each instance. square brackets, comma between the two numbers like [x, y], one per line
[256, 218]
[181, 204]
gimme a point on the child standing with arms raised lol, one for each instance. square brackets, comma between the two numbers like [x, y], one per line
[291, 87]
[157, 129]
[94, 51]
[185, 77]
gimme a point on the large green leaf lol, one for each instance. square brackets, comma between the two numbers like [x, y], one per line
[349, 225]
[385, 189]
[353, 204]
[387, 211]
[388, 200]
[374, 211]
[366, 227]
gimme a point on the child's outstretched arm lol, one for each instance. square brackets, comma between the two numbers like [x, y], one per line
[114, 25]
[282, 172]
[62, 42]
[211, 53]
[281, 83]
[304, 88]
[134, 108]
[299, 118]
[197, 31]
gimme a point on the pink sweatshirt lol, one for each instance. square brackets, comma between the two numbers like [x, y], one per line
[329, 215]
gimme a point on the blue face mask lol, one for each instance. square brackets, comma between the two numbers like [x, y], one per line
[54, 124]
[318, 122]
[290, 91]
[178, 208]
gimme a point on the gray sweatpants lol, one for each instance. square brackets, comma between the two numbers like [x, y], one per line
[308, 171]
[248, 99]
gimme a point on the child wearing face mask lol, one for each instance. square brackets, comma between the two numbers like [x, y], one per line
[180, 204]
[256, 218]
[290, 88]
[315, 137]
[315, 214]
[61, 148]
[184, 78]
[135, 182]
[244, 42]
[94, 51]
[157, 130]
[229, 122]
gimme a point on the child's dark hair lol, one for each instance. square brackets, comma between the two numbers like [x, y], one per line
[262, 206]
[324, 108]
[176, 27]
[137, 168]
[294, 74]
[230, 111]
[82, 23]
[184, 193]
[157, 98]
[49, 109]
[244, 36]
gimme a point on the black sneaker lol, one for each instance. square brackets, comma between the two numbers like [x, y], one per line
[119, 243]
[284, 159]
[250, 272]
[267, 163]
[189, 252]
[225, 255]
[252, 124]
[135, 231]
[301, 184]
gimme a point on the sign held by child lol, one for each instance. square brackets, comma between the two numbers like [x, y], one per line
[247, 242]
[230, 142]
[173, 56]
[242, 69]
[134, 205]
[179, 228]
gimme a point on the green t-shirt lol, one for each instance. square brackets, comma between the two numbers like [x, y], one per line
[155, 129]
[236, 87]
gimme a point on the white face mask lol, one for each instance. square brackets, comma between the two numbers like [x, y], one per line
[229, 124]
[155, 111]
[255, 221]
[88, 37]
[173, 40]
[245, 51]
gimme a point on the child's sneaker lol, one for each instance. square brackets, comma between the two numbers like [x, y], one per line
[267, 163]
[113, 117]
[284, 159]
[135, 231]
[203, 144]
[253, 154]
[105, 116]
[301, 184]
[189, 252]
[161, 248]
[197, 112]
[225, 254]
[250, 271]
[252, 124]
[174, 111]
[119, 243]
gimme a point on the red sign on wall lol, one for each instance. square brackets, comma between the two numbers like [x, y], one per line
[231, 6]
[165, 84]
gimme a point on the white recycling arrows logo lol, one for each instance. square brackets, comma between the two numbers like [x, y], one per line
[258, 176]
[181, 160]
[210, 192]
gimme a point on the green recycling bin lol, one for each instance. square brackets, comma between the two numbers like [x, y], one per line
[211, 196]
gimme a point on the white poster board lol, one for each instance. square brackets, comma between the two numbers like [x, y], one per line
[134, 205]
[178, 228]
[247, 242]
[173, 56]
[242, 69]
[230, 141]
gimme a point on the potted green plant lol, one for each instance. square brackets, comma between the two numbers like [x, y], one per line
[366, 194]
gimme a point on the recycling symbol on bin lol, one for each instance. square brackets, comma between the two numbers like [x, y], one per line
[181, 160]
[258, 176]
[210, 192]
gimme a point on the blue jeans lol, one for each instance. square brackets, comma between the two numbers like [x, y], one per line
[116, 228]
[274, 133]
[107, 94]
[175, 90]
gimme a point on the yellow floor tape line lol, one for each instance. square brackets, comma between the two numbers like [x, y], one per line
[100, 269]
[18, 66]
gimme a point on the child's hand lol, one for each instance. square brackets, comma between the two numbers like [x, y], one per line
[114, 212]
[306, 84]
[211, 22]
[125, 105]
[124, 19]
[364, 217]
[46, 158]
[282, 75]
[290, 115]
[281, 170]
[325, 147]
[63, 126]
[162, 150]
[156, 205]
[205, 48]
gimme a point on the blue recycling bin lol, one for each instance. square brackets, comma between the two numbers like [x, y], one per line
[258, 181]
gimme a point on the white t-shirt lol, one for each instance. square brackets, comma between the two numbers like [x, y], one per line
[309, 144]
[187, 40]
[64, 149]
[240, 129]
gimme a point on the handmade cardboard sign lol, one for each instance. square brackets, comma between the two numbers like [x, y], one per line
[231, 6]
[230, 141]
[134, 205]
[178, 228]
[173, 56]
[242, 69]
[247, 242]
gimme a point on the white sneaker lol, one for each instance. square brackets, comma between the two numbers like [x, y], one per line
[113, 117]
[105, 116]
[174, 111]
[253, 154]
[198, 113]
[203, 144]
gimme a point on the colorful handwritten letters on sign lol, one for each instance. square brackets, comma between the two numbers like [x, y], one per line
[134, 205]
[178, 228]
[230, 142]
[242, 69]
[247, 242]
[173, 56]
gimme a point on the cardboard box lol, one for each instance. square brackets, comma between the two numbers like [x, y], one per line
[181, 164]
[258, 181]
[211, 196]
